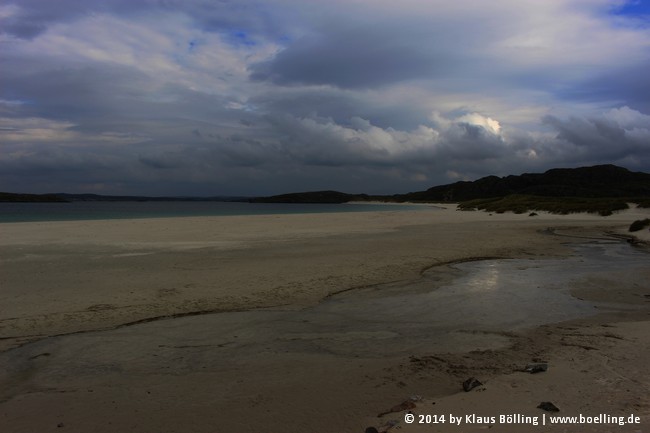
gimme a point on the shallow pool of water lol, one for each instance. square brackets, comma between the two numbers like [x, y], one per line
[485, 300]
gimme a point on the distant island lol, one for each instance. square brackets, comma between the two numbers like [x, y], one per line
[599, 189]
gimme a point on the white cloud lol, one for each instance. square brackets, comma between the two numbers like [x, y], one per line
[485, 122]
[629, 118]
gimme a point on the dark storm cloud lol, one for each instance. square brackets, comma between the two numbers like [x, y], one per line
[350, 58]
[341, 105]
[77, 91]
[160, 161]
[255, 97]
[469, 142]
[629, 84]
[621, 135]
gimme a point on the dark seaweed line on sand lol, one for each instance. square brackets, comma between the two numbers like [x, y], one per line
[609, 236]
[133, 323]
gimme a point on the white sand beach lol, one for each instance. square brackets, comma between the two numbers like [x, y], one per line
[113, 325]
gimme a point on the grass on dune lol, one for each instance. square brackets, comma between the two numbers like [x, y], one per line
[519, 204]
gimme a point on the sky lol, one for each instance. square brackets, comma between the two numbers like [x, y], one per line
[248, 97]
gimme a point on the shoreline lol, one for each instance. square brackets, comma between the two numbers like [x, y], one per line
[20, 212]
[242, 263]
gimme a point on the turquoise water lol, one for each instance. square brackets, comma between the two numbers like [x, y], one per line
[24, 212]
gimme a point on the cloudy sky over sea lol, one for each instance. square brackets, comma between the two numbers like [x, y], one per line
[245, 97]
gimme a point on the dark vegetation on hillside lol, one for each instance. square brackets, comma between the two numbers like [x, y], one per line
[644, 203]
[589, 182]
[519, 203]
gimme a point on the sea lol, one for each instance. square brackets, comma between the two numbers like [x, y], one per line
[99, 210]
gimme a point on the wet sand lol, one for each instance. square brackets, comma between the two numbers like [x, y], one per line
[105, 286]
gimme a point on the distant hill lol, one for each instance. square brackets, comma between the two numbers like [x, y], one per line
[66, 198]
[601, 181]
[590, 182]
[312, 197]
[8, 197]
[97, 197]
